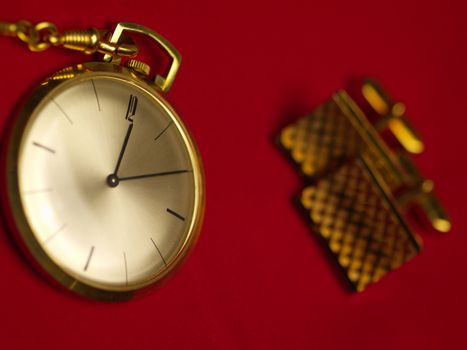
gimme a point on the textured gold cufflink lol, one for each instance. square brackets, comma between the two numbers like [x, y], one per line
[360, 183]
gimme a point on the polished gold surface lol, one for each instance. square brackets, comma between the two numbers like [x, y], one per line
[420, 191]
[359, 223]
[361, 186]
[139, 67]
[392, 117]
[320, 142]
[162, 82]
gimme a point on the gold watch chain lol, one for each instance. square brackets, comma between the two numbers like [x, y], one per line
[43, 35]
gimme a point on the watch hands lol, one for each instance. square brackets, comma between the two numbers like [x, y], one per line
[154, 175]
[113, 180]
[122, 151]
[130, 113]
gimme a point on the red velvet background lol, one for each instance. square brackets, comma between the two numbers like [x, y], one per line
[258, 278]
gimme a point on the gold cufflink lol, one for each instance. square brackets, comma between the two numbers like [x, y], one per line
[361, 183]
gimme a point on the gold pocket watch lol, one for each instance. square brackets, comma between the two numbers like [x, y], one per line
[104, 185]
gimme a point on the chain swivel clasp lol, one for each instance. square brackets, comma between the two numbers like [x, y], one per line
[162, 82]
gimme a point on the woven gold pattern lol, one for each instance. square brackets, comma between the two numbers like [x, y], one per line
[366, 236]
[353, 175]
[321, 141]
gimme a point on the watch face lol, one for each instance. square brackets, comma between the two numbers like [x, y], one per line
[108, 182]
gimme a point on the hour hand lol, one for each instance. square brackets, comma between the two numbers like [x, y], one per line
[122, 151]
[112, 179]
[131, 111]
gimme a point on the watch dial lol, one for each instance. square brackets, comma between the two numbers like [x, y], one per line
[107, 182]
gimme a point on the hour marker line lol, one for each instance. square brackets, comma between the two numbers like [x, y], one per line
[38, 191]
[97, 96]
[73, 285]
[177, 215]
[61, 109]
[157, 248]
[89, 258]
[48, 239]
[163, 131]
[126, 270]
[43, 147]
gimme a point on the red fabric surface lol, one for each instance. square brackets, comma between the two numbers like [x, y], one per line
[258, 278]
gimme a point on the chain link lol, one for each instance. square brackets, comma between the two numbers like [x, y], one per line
[41, 36]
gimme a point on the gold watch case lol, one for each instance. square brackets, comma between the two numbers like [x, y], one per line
[13, 208]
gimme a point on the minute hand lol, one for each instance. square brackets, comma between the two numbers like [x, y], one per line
[154, 175]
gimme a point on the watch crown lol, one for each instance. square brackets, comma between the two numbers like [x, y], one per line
[139, 67]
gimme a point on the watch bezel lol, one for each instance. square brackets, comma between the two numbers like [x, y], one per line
[15, 213]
